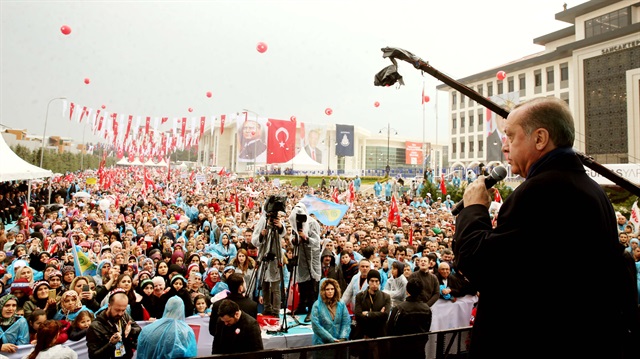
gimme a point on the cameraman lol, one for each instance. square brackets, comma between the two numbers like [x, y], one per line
[308, 272]
[270, 254]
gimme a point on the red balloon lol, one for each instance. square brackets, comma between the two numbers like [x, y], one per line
[190, 109]
[103, 107]
[293, 118]
[426, 99]
[376, 104]
[209, 94]
[501, 75]
[87, 80]
[261, 47]
[65, 29]
[328, 111]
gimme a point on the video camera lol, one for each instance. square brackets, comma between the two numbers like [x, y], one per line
[300, 219]
[274, 205]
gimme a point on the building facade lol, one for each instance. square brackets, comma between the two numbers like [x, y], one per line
[593, 65]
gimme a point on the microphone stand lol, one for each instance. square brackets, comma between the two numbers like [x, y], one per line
[396, 53]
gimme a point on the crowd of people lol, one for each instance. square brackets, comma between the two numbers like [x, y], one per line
[97, 260]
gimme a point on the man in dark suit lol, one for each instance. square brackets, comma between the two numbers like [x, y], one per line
[236, 287]
[235, 331]
[541, 136]
[312, 146]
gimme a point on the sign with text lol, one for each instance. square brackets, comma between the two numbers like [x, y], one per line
[413, 153]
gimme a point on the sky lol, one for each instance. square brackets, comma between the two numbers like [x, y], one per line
[160, 58]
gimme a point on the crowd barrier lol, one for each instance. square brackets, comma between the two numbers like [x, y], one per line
[446, 315]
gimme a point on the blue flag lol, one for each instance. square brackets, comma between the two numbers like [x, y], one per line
[344, 140]
[82, 263]
[326, 212]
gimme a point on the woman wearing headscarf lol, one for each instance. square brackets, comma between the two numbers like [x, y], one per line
[330, 319]
[169, 336]
[178, 287]
[225, 250]
[70, 306]
[14, 329]
[40, 300]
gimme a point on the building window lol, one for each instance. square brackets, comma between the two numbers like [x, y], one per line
[550, 81]
[480, 120]
[462, 147]
[470, 120]
[500, 88]
[537, 81]
[454, 122]
[453, 147]
[510, 84]
[607, 22]
[470, 147]
[462, 123]
[454, 100]
[480, 147]
[564, 75]
[471, 102]
[522, 83]
[480, 89]
[462, 100]
[489, 89]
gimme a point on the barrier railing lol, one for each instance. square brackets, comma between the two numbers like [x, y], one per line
[436, 345]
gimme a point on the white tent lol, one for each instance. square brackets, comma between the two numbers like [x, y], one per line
[125, 162]
[302, 161]
[15, 168]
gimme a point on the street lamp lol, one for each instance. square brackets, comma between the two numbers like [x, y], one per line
[388, 168]
[46, 117]
[255, 155]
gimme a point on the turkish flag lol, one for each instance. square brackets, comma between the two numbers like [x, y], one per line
[394, 212]
[281, 142]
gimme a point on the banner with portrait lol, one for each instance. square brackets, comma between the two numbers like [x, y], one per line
[313, 142]
[252, 138]
[494, 125]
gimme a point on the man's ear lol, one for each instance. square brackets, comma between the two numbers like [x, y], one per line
[542, 139]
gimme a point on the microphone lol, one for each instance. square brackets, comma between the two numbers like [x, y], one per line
[497, 174]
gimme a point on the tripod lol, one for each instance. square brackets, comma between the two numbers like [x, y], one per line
[273, 252]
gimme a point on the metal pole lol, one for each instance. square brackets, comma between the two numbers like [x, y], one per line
[84, 129]
[46, 118]
[388, 143]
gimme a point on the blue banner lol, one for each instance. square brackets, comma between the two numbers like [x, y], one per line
[344, 140]
[326, 212]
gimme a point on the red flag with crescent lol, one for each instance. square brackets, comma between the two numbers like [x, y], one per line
[281, 142]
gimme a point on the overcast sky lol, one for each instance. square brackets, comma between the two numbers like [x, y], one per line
[159, 58]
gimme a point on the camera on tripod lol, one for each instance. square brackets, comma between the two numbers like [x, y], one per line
[300, 220]
[274, 205]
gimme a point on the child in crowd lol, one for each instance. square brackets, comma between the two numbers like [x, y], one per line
[80, 325]
[202, 305]
[36, 318]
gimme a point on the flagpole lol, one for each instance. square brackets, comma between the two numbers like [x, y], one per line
[424, 145]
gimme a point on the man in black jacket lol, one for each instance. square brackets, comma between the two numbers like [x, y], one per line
[236, 288]
[113, 334]
[499, 262]
[235, 331]
[412, 316]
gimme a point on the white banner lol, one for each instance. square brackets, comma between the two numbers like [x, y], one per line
[631, 172]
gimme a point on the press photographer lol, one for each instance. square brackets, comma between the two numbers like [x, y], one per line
[307, 266]
[267, 236]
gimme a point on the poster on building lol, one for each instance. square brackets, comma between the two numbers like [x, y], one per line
[252, 138]
[312, 141]
[494, 125]
[413, 153]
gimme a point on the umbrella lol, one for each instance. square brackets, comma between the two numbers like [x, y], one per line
[81, 194]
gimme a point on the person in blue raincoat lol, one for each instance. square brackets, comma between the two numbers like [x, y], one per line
[14, 329]
[330, 320]
[387, 191]
[168, 337]
[377, 188]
